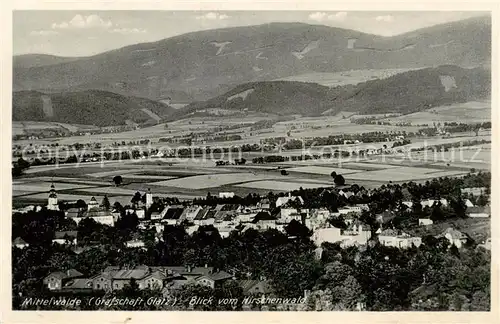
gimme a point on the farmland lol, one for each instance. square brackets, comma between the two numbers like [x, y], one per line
[194, 176]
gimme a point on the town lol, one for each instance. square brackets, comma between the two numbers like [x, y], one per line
[337, 218]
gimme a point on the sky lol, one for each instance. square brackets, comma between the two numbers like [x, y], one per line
[84, 33]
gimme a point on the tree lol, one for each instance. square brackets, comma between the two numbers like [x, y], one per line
[105, 202]
[339, 180]
[118, 180]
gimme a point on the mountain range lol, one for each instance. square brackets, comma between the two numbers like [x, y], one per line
[206, 64]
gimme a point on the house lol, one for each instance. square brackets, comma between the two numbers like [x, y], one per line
[262, 288]
[19, 243]
[56, 280]
[264, 204]
[172, 215]
[397, 239]
[408, 204]
[479, 212]
[213, 279]
[226, 194]
[205, 217]
[357, 234]
[468, 203]
[486, 245]
[385, 217]
[455, 237]
[362, 207]
[475, 191]
[285, 200]
[190, 212]
[425, 221]
[263, 220]
[141, 214]
[153, 280]
[65, 237]
[431, 202]
[100, 215]
[78, 285]
[122, 277]
[136, 243]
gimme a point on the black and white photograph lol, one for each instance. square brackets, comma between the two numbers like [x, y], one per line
[225, 160]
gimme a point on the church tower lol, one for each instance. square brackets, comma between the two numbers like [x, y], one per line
[52, 201]
[149, 198]
[93, 204]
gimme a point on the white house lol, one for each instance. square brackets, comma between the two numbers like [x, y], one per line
[20, 243]
[468, 203]
[399, 240]
[226, 194]
[135, 244]
[357, 234]
[65, 237]
[454, 237]
[425, 221]
[478, 212]
[284, 200]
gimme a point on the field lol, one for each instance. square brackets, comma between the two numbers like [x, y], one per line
[281, 185]
[188, 178]
[472, 111]
[346, 77]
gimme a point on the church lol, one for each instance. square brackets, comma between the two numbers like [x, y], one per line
[52, 201]
[94, 211]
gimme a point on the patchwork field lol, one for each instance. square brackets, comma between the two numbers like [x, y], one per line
[322, 170]
[212, 180]
[401, 174]
[282, 185]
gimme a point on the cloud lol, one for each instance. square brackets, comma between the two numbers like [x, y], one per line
[212, 16]
[81, 22]
[43, 32]
[321, 16]
[386, 18]
[341, 15]
[317, 16]
[128, 31]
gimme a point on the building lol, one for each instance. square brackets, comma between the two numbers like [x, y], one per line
[357, 234]
[189, 213]
[226, 194]
[94, 211]
[425, 221]
[479, 212]
[172, 215]
[56, 280]
[52, 200]
[260, 288]
[455, 237]
[476, 191]
[65, 237]
[285, 200]
[398, 239]
[486, 245]
[19, 243]
[135, 243]
[468, 203]
[385, 217]
[149, 198]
